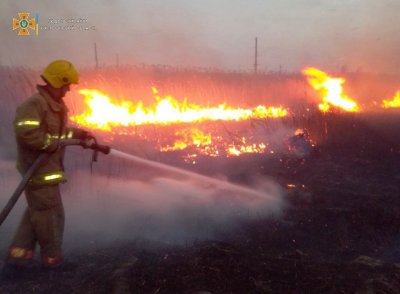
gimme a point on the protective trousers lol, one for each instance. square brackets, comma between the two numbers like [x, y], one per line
[42, 222]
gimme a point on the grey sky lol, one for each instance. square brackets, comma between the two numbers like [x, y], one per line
[212, 33]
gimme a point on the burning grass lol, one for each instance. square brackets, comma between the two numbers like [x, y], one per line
[102, 113]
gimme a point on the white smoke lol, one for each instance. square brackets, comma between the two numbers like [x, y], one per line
[163, 209]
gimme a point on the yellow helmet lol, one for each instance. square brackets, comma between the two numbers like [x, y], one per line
[59, 73]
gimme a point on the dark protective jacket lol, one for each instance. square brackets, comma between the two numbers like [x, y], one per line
[39, 122]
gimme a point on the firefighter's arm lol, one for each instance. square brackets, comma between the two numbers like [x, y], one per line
[28, 126]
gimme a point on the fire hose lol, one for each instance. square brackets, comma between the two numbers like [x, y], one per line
[90, 143]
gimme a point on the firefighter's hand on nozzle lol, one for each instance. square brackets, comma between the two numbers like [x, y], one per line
[92, 144]
[88, 143]
[83, 134]
[88, 135]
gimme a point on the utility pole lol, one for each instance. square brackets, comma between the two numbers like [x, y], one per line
[95, 56]
[255, 58]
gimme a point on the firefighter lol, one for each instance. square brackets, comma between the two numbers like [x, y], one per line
[40, 123]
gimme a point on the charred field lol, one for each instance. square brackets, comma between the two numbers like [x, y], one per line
[338, 232]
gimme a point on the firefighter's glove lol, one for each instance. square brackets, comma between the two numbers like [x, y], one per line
[82, 134]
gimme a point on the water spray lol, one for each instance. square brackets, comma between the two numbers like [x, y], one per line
[161, 166]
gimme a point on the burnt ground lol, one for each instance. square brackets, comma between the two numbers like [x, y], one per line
[338, 234]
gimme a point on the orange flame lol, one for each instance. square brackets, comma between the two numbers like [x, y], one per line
[207, 145]
[331, 90]
[394, 103]
[239, 149]
[192, 137]
[103, 113]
